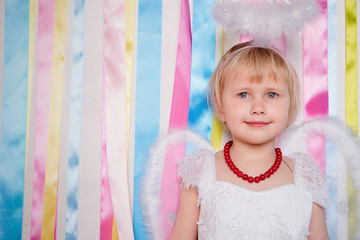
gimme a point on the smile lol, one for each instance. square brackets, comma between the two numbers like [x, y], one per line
[257, 124]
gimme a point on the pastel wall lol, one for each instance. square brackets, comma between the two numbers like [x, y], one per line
[87, 86]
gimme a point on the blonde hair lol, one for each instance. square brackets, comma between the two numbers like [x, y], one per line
[255, 63]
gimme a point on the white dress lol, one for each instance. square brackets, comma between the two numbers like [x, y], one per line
[228, 211]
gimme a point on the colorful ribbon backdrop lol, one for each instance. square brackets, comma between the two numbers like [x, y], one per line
[131, 108]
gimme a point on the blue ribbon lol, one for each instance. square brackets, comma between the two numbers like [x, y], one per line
[331, 150]
[147, 97]
[202, 67]
[14, 117]
[75, 120]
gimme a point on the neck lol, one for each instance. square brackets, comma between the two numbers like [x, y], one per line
[244, 152]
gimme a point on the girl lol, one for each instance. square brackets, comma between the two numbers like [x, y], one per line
[249, 190]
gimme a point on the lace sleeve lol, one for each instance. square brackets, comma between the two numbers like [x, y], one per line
[308, 177]
[191, 167]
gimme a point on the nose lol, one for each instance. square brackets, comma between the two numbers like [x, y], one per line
[258, 107]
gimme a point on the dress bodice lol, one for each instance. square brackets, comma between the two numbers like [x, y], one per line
[228, 211]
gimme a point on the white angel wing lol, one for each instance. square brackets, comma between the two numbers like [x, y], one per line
[348, 146]
[152, 181]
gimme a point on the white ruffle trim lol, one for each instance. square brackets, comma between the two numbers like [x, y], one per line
[190, 168]
[308, 177]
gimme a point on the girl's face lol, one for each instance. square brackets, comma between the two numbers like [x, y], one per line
[255, 112]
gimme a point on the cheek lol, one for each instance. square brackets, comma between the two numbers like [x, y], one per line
[281, 109]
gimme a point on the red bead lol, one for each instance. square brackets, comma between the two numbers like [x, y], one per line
[236, 170]
[274, 168]
[250, 179]
[245, 177]
[257, 179]
[239, 174]
[267, 174]
[262, 177]
[232, 167]
[228, 161]
[271, 171]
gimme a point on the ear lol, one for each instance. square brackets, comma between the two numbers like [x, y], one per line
[219, 110]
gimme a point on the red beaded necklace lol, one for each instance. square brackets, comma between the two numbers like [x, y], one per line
[246, 177]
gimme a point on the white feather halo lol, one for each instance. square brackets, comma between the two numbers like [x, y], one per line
[265, 20]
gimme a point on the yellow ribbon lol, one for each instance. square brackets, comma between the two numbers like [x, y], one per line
[351, 108]
[115, 234]
[53, 147]
[351, 102]
[216, 133]
[217, 127]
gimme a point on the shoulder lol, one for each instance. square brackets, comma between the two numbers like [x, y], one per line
[191, 167]
[308, 177]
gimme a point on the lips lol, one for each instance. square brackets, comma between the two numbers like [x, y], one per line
[257, 124]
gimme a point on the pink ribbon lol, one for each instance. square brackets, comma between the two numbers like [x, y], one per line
[178, 119]
[44, 58]
[315, 70]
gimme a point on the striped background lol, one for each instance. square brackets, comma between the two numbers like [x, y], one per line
[86, 87]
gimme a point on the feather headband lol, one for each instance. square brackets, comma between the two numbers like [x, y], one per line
[265, 20]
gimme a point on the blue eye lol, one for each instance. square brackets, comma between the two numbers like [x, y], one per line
[272, 95]
[243, 94]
